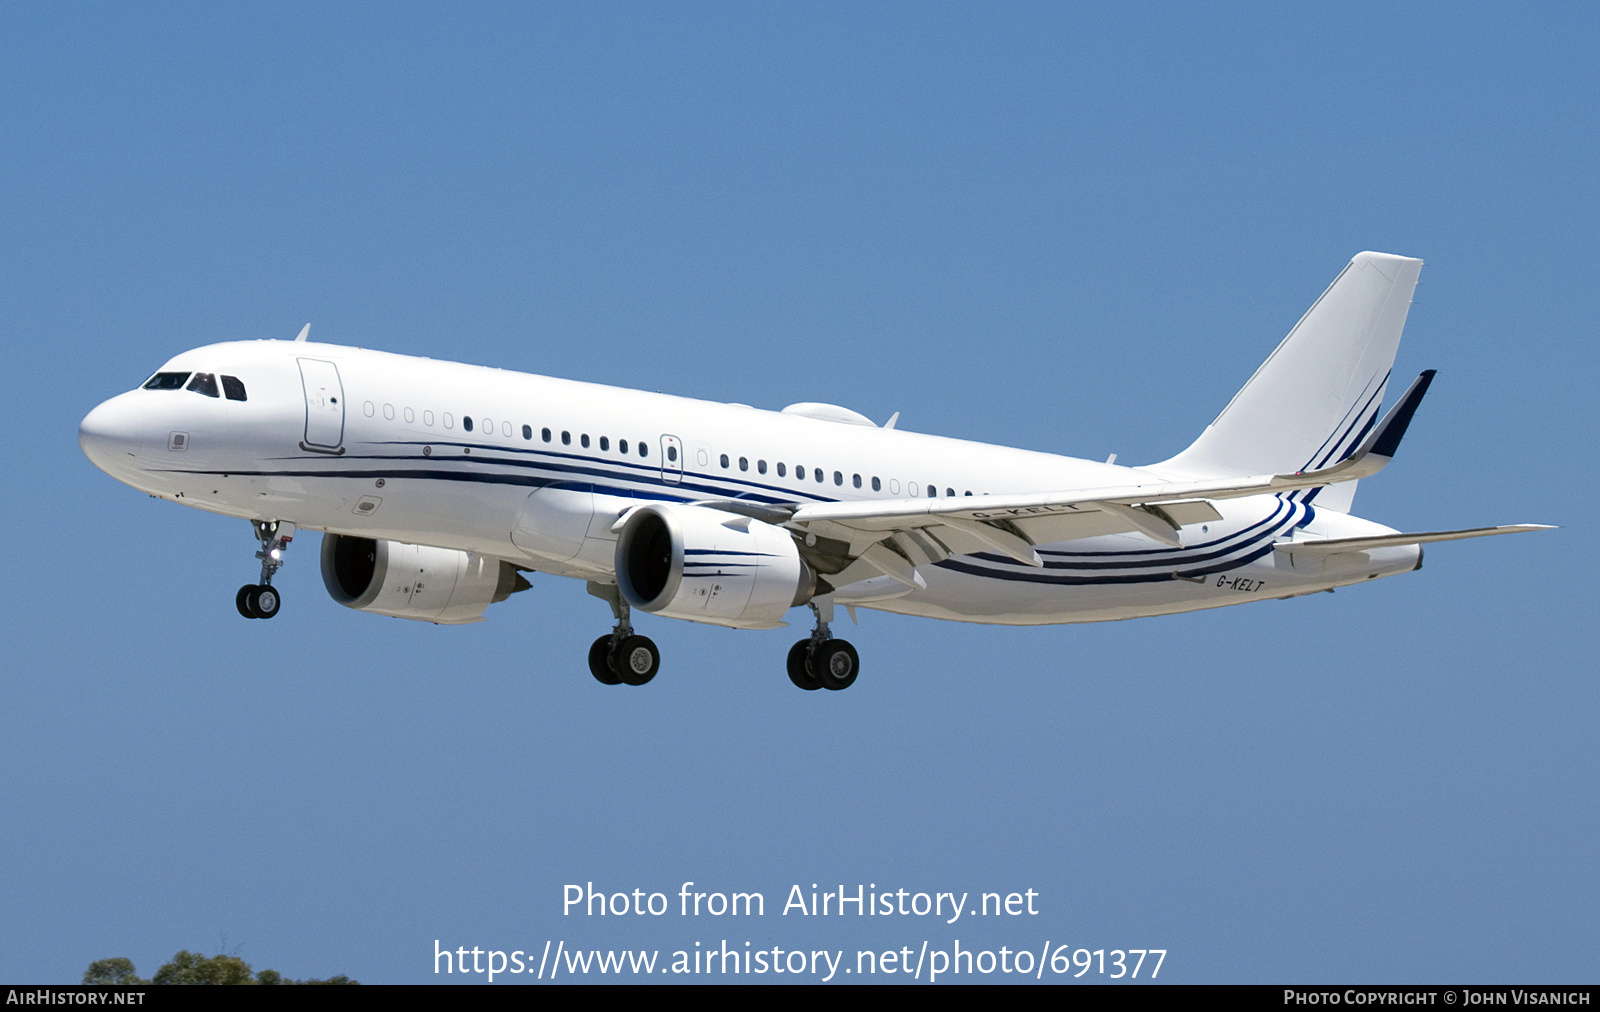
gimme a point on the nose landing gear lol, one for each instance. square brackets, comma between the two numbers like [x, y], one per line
[261, 600]
[621, 656]
[823, 662]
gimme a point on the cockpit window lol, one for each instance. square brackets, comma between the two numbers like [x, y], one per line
[234, 388]
[166, 381]
[204, 383]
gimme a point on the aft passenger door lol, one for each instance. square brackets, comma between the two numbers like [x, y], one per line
[671, 460]
[324, 406]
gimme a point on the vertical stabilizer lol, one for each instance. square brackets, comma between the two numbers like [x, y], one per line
[1318, 394]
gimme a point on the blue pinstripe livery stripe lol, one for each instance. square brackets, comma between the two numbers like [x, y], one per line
[544, 468]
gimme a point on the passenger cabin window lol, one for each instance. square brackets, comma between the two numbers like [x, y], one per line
[605, 442]
[724, 460]
[932, 491]
[622, 446]
[583, 440]
[855, 479]
[644, 448]
[544, 434]
[527, 432]
[782, 470]
[838, 478]
[761, 467]
[466, 422]
[234, 388]
[744, 463]
[566, 438]
[166, 381]
[877, 486]
[204, 383]
[816, 473]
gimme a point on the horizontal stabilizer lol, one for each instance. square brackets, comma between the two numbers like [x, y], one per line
[1333, 546]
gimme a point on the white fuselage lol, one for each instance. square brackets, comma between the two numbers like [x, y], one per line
[378, 445]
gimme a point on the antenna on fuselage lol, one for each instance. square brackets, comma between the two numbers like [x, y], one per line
[303, 332]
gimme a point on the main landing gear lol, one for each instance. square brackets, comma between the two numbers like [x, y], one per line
[823, 662]
[622, 656]
[261, 600]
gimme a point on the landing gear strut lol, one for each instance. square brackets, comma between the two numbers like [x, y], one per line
[261, 600]
[823, 662]
[621, 656]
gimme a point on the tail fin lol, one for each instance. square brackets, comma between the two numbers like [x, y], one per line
[1316, 397]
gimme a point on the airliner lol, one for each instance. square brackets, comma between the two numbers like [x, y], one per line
[437, 485]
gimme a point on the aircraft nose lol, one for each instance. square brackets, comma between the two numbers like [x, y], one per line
[111, 435]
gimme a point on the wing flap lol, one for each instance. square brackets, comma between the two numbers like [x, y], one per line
[892, 565]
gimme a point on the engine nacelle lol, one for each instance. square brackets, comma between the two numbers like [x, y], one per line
[707, 565]
[438, 585]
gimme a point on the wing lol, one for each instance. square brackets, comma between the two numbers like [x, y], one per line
[891, 538]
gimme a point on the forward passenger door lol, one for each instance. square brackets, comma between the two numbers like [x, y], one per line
[324, 406]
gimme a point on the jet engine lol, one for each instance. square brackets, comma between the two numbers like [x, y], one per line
[707, 565]
[439, 585]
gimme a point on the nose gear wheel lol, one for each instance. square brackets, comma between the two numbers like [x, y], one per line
[261, 600]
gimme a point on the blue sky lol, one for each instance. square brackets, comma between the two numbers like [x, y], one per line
[1072, 230]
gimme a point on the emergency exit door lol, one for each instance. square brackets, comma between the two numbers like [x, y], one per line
[671, 460]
